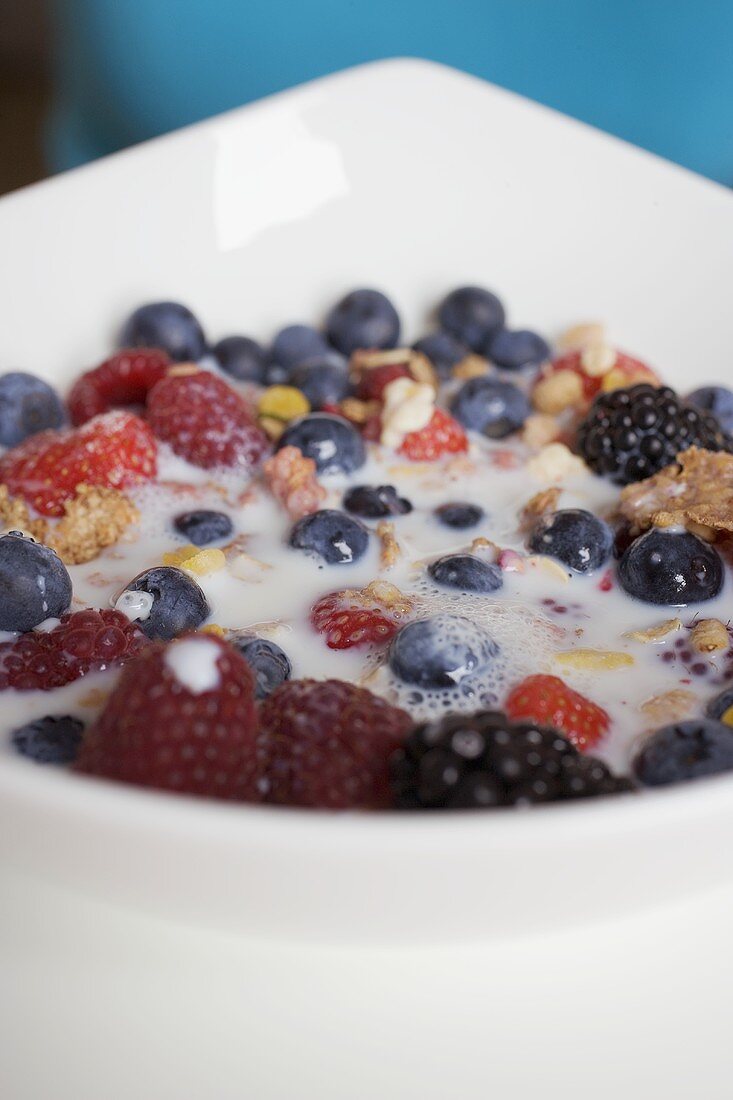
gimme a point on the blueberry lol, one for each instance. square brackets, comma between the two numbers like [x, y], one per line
[375, 501]
[324, 381]
[34, 583]
[443, 351]
[472, 315]
[203, 527]
[665, 567]
[167, 325]
[467, 573]
[49, 740]
[494, 408]
[513, 350]
[332, 535]
[276, 374]
[459, 515]
[242, 358]
[27, 405]
[269, 663]
[441, 651]
[296, 344]
[179, 604]
[685, 750]
[334, 445]
[717, 400]
[722, 703]
[574, 537]
[363, 319]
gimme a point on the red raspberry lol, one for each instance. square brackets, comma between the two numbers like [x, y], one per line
[443, 435]
[114, 450]
[84, 641]
[166, 728]
[375, 380]
[327, 744]
[125, 379]
[352, 618]
[549, 701]
[205, 421]
[634, 370]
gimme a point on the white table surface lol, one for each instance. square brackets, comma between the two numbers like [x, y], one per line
[98, 1003]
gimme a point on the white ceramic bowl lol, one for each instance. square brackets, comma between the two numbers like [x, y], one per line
[414, 178]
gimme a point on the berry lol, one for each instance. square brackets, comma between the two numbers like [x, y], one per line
[27, 405]
[242, 358]
[125, 379]
[349, 619]
[467, 573]
[574, 537]
[459, 515]
[269, 663]
[721, 707]
[666, 567]
[114, 450]
[514, 350]
[179, 603]
[34, 582]
[375, 501]
[442, 436]
[334, 445]
[440, 651]
[324, 381]
[685, 750]
[375, 380]
[717, 400]
[205, 421]
[494, 408]
[332, 535]
[83, 642]
[182, 718]
[49, 740]
[549, 701]
[296, 344]
[443, 351]
[327, 744]
[203, 527]
[363, 319]
[472, 315]
[481, 761]
[166, 325]
[624, 371]
[630, 434]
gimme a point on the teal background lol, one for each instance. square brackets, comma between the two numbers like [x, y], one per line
[659, 74]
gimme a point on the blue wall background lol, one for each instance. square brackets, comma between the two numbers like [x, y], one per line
[659, 74]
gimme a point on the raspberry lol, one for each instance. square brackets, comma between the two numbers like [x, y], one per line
[205, 421]
[125, 379]
[375, 380]
[482, 761]
[327, 744]
[443, 435]
[352, 618]
[114, 450]
[182, 718]
[549, 701]
[84, 641]
[625, 366]
[630, 434]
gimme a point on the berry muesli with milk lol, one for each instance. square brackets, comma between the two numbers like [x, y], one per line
[344, 573]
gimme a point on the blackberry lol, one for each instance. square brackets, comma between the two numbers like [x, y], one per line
[631, 433]
[483, 760]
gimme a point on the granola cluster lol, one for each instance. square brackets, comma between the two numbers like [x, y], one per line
[291, 478]
[695, 492]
